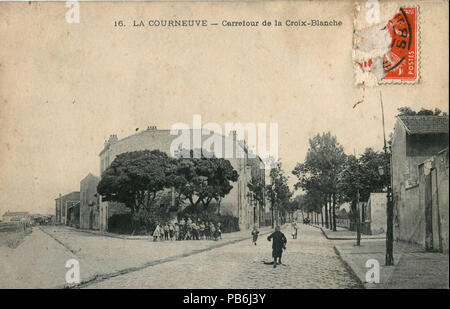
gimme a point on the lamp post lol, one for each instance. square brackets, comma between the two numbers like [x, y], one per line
[389, 203]
[358, 214]
[389, 214]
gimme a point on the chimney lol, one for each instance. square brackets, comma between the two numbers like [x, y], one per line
[233, 134]
[151, 128]
[112, 139]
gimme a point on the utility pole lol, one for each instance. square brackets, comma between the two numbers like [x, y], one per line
[390, 205]
[358, 216]
[358, 220]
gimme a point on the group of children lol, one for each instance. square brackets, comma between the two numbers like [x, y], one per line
[187, 230]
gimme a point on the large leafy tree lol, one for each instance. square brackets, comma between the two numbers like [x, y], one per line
[201, 180]
[135, 178]
[362, 175]
[319, 173]
[256, 189]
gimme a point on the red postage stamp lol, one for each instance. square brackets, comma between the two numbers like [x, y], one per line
[386, 50]
[400, 63]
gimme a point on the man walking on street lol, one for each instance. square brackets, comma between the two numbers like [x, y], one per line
[294, 229]
[278, 244]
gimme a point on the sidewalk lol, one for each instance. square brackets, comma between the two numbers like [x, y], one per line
[345, 234]
[413, 267]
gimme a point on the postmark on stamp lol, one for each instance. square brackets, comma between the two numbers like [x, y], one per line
[385, 49]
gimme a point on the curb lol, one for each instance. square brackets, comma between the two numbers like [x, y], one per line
[346, 238]
[348, 267]
[343, 260]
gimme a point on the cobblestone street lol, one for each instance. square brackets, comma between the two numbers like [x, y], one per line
[308, 262]
[233, 262]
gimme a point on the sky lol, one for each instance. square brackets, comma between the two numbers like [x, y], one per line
[64, 88]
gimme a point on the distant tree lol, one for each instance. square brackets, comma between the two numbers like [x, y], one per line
[278, 192]
[407, 111]
[426, 112]
[313, 202]
[256, 189]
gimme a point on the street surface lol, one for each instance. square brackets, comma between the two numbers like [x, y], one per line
[309, 262]
[106, 262]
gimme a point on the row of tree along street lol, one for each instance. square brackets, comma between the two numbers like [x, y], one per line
[330, 178]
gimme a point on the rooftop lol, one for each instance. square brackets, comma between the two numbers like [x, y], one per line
[16, 213]
[425, 124]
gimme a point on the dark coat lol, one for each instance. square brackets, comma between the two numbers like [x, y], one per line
[279, 241]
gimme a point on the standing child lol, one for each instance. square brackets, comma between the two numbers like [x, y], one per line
[278, 244]
[177, 231]
[219, 230]
[166, 232]
[157, 233]
[294, 230]
[202, 230]
[207, 230]
[171, 231]
[255, 234]
[187, 235]
[213, 231]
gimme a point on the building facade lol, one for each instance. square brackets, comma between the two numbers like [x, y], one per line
[433, 197]
[65, 204]
[89, 203]
[416, 139]
[237, 203]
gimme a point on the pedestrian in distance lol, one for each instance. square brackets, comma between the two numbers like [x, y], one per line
[188, 234]
[202, 230]
[278, 244]
[219, 230]
[176, 229]
[166, 232]
[294, 229]
[171, 231]
[207, 230]
[157, 233]
[213, 231]
[195, 229]
[255, 234]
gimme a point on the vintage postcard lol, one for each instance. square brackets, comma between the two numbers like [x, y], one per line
[224, 145]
